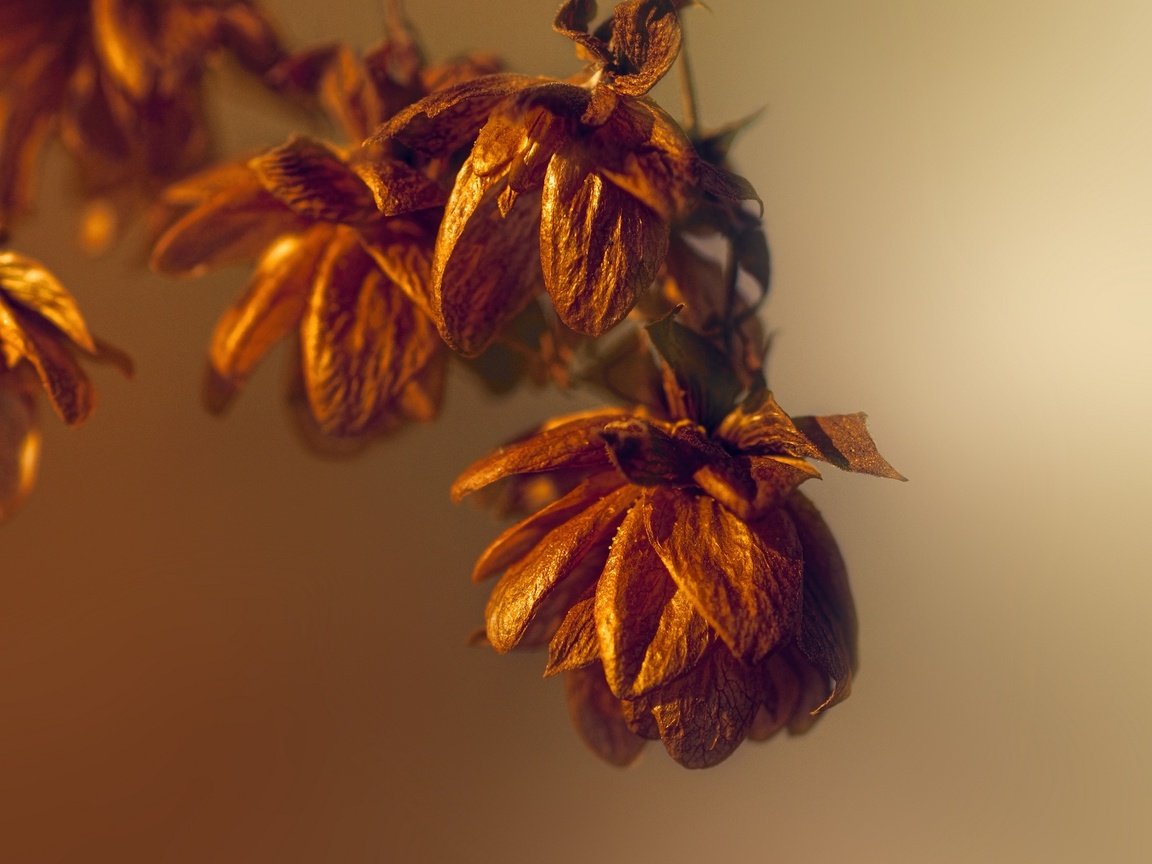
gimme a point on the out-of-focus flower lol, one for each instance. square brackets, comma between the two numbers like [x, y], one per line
[42, 337]
[686, 587]
[119, 82]
[570, 186]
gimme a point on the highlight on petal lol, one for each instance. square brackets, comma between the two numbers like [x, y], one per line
[760, 426]
[67, 386]
[19, 444]
[598, 717]
[313, 182]
[29, 284]
[843, 440]
[746, 580]
[599, 247]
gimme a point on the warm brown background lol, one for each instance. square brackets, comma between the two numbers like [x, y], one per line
[214, 648]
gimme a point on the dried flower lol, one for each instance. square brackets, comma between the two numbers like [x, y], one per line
[119, 81]
[686, 587]
[42, 335]
[570, 186]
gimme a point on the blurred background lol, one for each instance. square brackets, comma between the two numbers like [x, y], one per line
[215, 647]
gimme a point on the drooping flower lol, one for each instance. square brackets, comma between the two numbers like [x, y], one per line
[685, 586]
[42, 338]
[119, 82]
[568, 186]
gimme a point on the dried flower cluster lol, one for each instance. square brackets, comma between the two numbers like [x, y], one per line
[567, 230]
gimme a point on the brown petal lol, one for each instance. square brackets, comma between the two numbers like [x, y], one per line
[759, 426]
[567, 442]
[19, 444]
[572, 20]
[520, 595]
[402, 248]
[64, 381]
[649, 630]
[599, 246]
[745, 580]
[647, 454]
[249, 36]
[575, 644]
[229, 228]
[827, 635]
[398, 188]
[596, 713]
[26, 282]
[518, 540]
[362, 340]
[122, 30]
[703, 717]
[646, 38]
[313, 182]
[843, 440]
[271, 308]
[750, 486]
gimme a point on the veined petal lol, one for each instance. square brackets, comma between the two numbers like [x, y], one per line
[26, 282]
[599, 246]
[598, 718]
[843, 440]
[402, 248]
[568, 443]
[574, 644]
[312, 181]
[19, 444]
[271, 308]
[398, 188]
[645, 37]
[523, 592]
[746, 582]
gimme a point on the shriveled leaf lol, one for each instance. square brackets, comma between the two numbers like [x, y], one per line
[398, 188]
[314, 182]
[597, 716]
[645, 41]
[599, 246]
[575, 644]
[521, 593]
[843, 440]
[745, 581]
[67, 386]
[647, 454]
[362, 340]
[648, 629]
[710, 386]
[827, 634]
[750, 486]
[19, 444]
[566, 443]
[26, 282]
[521, 538]
[703, 717]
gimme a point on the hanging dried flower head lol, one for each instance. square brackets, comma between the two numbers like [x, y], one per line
[42, 337]
[119, 82]
[685, 570]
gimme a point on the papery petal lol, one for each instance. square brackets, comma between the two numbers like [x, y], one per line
[313, 182]
[572, 20]
[843, 440]
[575, 643]
[398, 188]
[647, 454]
[271, 308]
[523, 592]
[362, 340]
[599, 246]
[645, 37]
[27, 283]
[64, 381]
[566, 443]
[746, 580]
[649, 630]
[19, 444]
[521, 538]
[759, 426]
[596, 713]
[703, 717]
[403, 248]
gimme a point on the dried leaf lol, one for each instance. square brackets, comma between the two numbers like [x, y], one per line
[19, 444]
[709, 384]
[647, 454]
[843, 440]
[745, 580]
[645, 41]
[568, 442]
[26, 282]
[519, 596]
[599, 246]
[596, 713]
[314, 182]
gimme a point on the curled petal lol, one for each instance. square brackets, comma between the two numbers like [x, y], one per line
[645, 38]
[29, 284]
[19, 444]
[598, 717]
[313, 182]
[843, 440]
[64, 381]
[761, 427]
[750, 486]
[569, 442]
[572, 20]
[599, 246]
[745, 580]
[553, 570]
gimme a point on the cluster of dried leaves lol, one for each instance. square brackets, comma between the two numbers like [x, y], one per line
[682, 584]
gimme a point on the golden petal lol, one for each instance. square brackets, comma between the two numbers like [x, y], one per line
[843, 440]
[770, 480]
[402, 248]
[574, 644]
[398, 188]
[646, 38]
[27, 283]
[598, 718]
[122, 31]
[67, 386]
[565, 443]
[746, 583]
[759, 426]
[552, 567]
[19, 444]
[314, 182]
[599, 246]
